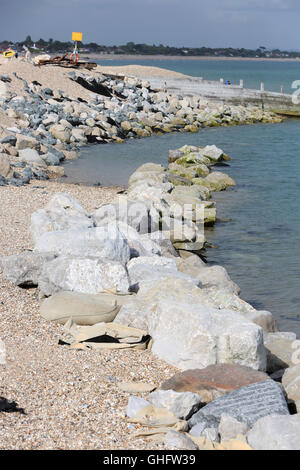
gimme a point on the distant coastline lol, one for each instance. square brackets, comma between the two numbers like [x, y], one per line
[110, 57]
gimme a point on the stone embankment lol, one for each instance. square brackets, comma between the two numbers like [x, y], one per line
[129, 272]
[280, 103]
[48, 114]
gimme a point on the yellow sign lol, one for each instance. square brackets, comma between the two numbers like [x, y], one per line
[76, 36]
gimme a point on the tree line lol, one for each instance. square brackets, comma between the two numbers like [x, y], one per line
[54, 46]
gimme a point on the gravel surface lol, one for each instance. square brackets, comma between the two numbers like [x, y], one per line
[58, 78]
[70, 397]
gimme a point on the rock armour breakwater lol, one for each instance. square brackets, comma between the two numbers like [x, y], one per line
[47, 119]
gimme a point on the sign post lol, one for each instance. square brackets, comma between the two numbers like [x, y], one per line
[75, 55]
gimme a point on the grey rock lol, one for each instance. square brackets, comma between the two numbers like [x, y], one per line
[139, 245]
[276, 432]
[29, 155]
[247, 405]
[26, 142]
[135, 404]
[230, 427]
[149, 273]
[291, 384]
[51, 159]
[5, 168]
[24, 269]
[9, 139]
[134, 213]
[183, 405]
[211, 434]
[62, 212]
[188, 331]
[86, 275]
[280, 350]
[99, 242]
[179, 441]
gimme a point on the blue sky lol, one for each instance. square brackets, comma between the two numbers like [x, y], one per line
[193, 23]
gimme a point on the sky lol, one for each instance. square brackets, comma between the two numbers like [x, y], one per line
[190, 23]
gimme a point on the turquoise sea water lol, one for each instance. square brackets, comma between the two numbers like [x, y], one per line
[259, 246]
[273, 74]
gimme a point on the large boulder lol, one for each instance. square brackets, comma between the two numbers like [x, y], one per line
[138, 244]
[210, 276]
[188, 331]
[62, 212]
[182, 405]
[230, 427]
[29, 155]
[60, 132]
[148, 171]
[134, 213]
[291, 384]
[86, 275]
[217, 181]
[152, 269]
[152, 195]
[276, 433]
[225, 297]
[84, 309]
[24, 268]
[100, 242]
[190, 336]
[247, 405]
[280, 350]
[26, 142]
[215, 380]
[136, 311]
[212, 152]
[163, 241]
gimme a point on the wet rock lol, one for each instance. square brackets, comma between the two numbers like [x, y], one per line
[217, 181]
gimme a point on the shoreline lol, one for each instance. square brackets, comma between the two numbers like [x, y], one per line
[161, 57]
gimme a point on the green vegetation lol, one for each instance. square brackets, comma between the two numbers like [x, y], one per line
[54, 46]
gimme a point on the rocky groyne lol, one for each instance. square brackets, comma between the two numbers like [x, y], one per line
[47, 114]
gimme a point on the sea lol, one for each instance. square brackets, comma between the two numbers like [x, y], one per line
[257, 236]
